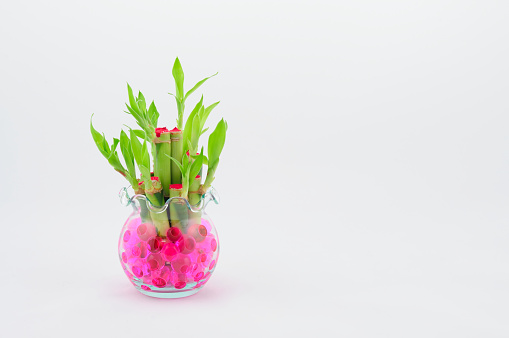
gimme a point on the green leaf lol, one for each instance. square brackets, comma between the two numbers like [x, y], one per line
[205, 159]
[196, 86]
[196, 167]
[99, 140]
[178, 75]
[153, 114]
[125, 147]
[205, 114]
[186, 134]
[114, 144]
[145, 176]
[177, 163]
[141, 102]
[144, 155]
[136, 148]
[132, 101]
[134, 113]
[195, 133]
[140, 133]
[204, 131]
[216, 141]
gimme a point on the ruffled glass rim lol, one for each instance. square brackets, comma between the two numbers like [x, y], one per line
[125, 200]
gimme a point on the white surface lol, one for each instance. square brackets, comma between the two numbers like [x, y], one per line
[364, 182]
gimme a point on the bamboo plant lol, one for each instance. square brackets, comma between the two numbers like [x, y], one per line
[171, 155]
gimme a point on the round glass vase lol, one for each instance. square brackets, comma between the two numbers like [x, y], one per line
[169, 251]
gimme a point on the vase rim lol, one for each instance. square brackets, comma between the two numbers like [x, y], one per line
[126, 200]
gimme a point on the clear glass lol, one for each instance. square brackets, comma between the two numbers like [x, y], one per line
[168, 261]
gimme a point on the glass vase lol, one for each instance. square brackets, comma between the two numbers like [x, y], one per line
[169, 251]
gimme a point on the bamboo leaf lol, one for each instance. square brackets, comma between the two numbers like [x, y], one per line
[153, 114]
[177, 163]
[204, 131]
[140, 133]
[196, 86]
[145, 156]
[125, 147]
[141, 102]
[114, 144]
[206, 112]
[99, 140]
[186, 134]
[216, 141]
[145, 176]
[132, 101]
[178, 75]
[136, 148]
[195, 133]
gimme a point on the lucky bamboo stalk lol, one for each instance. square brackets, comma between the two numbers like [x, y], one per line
[194, 199]
[155, 196]
[177, 149]
[162, 164]
[178, 208]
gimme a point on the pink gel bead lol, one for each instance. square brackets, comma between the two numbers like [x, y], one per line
[180, 244]
[180, 285]
[124, 257]
[181, 264]
[154, 262]
[145, 231]
[143, 249]
[137, 271]
[198, 232]
[136, 251]
[154, 244]
[133, 223]
[211, 266]
[198, 276]
[213, 245]
[188, 245]
[159, 282]
[170, 251]
[206, 224]
[173, 234]
[146, 288]
[127, 236]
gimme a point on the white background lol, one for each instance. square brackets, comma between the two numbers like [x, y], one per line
[364, 183]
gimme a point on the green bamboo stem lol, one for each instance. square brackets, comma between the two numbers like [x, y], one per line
[178, 208]
[144, 214]
[177, 148]
[194, 199]
[162, 163]
[155, 196]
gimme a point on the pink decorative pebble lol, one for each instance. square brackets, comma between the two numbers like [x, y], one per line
[198, 231]
[170, 251]
[136, 251]
[181, 263]
[127, 236]
[145, 231]
[180, 285]
[188, 245]
[211, 266]
[137, 271]
[213, 245]
[154, 244]
[159, 282]
[173, 234]
[155, 262]
[146, 288]
[198, 276]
